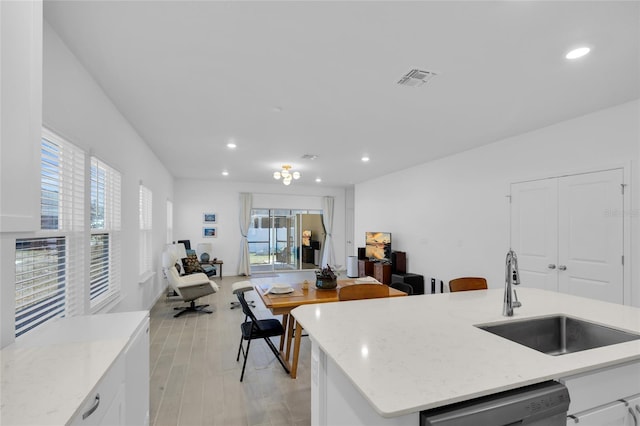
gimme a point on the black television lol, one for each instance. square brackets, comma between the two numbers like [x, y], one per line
[378, 246]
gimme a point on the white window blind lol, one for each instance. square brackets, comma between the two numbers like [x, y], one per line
[105, 243]
[49, 267]
[169, 222]
[146, 227]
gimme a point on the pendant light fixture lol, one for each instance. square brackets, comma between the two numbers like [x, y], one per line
[286, 174]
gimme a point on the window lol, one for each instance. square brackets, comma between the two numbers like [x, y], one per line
[169, 222]
[146, 227]
[104, 276]
[49, 266]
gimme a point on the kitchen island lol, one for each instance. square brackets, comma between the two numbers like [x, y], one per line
[382, 361]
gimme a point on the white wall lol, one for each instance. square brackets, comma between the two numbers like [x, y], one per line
[76, 107]
[194, 197]
[451, 215]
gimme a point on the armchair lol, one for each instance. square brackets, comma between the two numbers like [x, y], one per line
[188, 287]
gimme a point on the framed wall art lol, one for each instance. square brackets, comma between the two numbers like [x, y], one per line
[209, 218]
[209, 232]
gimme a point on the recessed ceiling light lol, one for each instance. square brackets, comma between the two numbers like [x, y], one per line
[577, 53]
[318, 180]
[225, 173]
[231, 145]
[365, 159]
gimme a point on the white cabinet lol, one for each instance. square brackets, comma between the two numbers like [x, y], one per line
[137, 377]
[609, 397]
[105, 405]
[86, 370]
[122, 396]
[20, 114]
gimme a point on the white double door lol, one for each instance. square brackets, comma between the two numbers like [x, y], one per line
[568, 234]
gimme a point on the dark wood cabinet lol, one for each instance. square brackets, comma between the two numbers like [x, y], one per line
[382, 272]
[365, 268]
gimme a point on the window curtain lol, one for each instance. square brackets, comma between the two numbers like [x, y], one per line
[328, 257]
[244, 264]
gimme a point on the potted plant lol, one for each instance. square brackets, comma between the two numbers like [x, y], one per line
[326, 278]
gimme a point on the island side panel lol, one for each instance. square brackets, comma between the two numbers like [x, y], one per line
[336, 401]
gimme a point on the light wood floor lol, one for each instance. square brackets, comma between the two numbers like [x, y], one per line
[195, 379]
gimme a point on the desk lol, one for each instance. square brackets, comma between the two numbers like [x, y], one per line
[215, 262]
[282, 304]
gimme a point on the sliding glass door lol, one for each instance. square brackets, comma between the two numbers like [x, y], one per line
[276, 240]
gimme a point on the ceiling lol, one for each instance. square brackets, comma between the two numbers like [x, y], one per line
[285, 79]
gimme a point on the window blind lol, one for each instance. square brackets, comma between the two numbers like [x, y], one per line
[49, 267]
[169, 222]
[146, 227]
[105, 243]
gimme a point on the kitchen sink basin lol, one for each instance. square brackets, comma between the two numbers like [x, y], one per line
[559, 334]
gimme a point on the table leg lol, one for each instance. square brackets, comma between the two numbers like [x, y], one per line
[292, 322]
[296, 350]
[285, 318]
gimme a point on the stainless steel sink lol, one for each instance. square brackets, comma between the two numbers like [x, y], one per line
[559, 334]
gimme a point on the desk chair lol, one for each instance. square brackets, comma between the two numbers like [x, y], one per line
[467, 283]
[253, 328]
[363, 291]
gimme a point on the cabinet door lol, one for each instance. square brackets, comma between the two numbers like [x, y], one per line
[534, 232]
[590, 238]
[137, 377]
[633, 410]
[568, 234]
[614, 414]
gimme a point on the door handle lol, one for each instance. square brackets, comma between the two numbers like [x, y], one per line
[562, 267]
[551, 266]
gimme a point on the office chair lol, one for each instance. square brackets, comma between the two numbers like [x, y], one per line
[253, 328]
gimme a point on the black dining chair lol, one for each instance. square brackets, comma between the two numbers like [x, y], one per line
[253, 328]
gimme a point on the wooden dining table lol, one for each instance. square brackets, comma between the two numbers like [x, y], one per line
[282, 304]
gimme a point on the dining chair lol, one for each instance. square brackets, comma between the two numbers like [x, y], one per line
[363, 291]
[467, 283]
[253, 328]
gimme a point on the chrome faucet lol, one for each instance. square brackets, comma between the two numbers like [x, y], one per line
[511, 277]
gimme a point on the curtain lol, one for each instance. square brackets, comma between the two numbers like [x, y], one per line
[244, 265]
[328, 257]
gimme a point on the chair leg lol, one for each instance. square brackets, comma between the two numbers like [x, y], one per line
[235, 305]
[276, 353]
[239, 349]
[246, 356]
[192, 308]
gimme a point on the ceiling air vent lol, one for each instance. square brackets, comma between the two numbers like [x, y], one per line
[416, 78]
[309, 156]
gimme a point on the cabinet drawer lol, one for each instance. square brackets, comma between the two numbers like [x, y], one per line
[99, 401]
[600, 387]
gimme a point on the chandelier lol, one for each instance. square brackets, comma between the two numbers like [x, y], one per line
[286, 174]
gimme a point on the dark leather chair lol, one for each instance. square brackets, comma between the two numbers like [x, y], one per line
[402, 287]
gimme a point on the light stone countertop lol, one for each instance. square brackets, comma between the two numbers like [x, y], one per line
[407, 354]
[47, 374]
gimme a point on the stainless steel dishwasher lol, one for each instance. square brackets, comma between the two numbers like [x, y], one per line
[542, 404]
